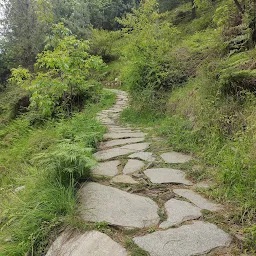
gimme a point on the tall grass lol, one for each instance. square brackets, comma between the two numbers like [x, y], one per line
[40, 168]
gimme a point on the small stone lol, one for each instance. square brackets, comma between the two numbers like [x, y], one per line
[166, 175]
[198, 238]
[108, 169]
[175, 158]
[197, 199]
[126, 179]
[124, 135]
[204, 184]
[103, 203]
[132, 166]
[113, 143]
[91, 243]
[167, 196]
[180, 211]
[18, 189]
[146, 156]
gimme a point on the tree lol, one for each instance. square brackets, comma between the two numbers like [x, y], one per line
[23, 31]
[62, 69]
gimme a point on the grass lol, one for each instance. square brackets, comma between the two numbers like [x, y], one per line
[225, 158]
[48, 160]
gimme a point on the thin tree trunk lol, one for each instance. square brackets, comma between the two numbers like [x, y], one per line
[239, 6]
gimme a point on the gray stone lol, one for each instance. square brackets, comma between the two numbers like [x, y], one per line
[132, 166]
[120, 151]
[179, 211]
[91, 243]
[197, 199]
[124, 135]
[102, 203]
[204, 184]
[175, 158]
[18, 189]
[108, 169]
[137, 146]
[112, 153]
[188, 240]
[126, 179]
[166, 175]
[113, 143]
[146, 156]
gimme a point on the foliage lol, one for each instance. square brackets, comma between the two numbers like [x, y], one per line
[63, 69]
[103, 44]
[70, 163]
[147, 56]
[30, 217]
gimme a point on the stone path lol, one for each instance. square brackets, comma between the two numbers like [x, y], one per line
[134, 188]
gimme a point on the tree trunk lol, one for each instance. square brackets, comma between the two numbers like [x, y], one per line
[239, 6]
[193, 9]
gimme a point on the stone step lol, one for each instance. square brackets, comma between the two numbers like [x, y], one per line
[103, 203]
[91, 243]
[198, 238]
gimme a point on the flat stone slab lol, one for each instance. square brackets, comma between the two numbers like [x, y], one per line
[113, 143]
[102, 203]
[167, 175]
[188, 240]
[179, 211]
[126, 179]
[198, 200]
[132, 166]
[112, 153]
[120, 151]
[146, 156]
[124, 135]
[108, 169]
[175, 158]
[137, 146]
[91, 243]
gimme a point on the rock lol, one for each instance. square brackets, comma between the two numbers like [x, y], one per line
[175, 158]
[146, 156]
[179, 211]
[166, 175]
[197, 199]
[102, 203]
[204, 184]
[108, 169]
[112, 153]
[113, 143]
[188, 240]
[91, 243]
[18, 189]
[126, 179]
[120, 151]
[132, 166]
[124, 135]
[137, 146]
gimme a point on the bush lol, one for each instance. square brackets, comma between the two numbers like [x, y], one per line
[69, 163]
[237, 83]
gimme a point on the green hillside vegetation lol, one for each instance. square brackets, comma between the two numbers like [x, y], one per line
[190, 70]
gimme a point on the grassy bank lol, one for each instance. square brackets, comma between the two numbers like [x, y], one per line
[40, 169]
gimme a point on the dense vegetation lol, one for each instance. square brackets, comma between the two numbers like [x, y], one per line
[189, 67]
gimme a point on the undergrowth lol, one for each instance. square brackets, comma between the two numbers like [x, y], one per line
[40, 169]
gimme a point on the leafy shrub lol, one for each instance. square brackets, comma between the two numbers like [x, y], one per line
[146, 54]
[238, 82]
[68, 162]
[103, 44]
[63, 69]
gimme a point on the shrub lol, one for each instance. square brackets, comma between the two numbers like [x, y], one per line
[63, 69]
